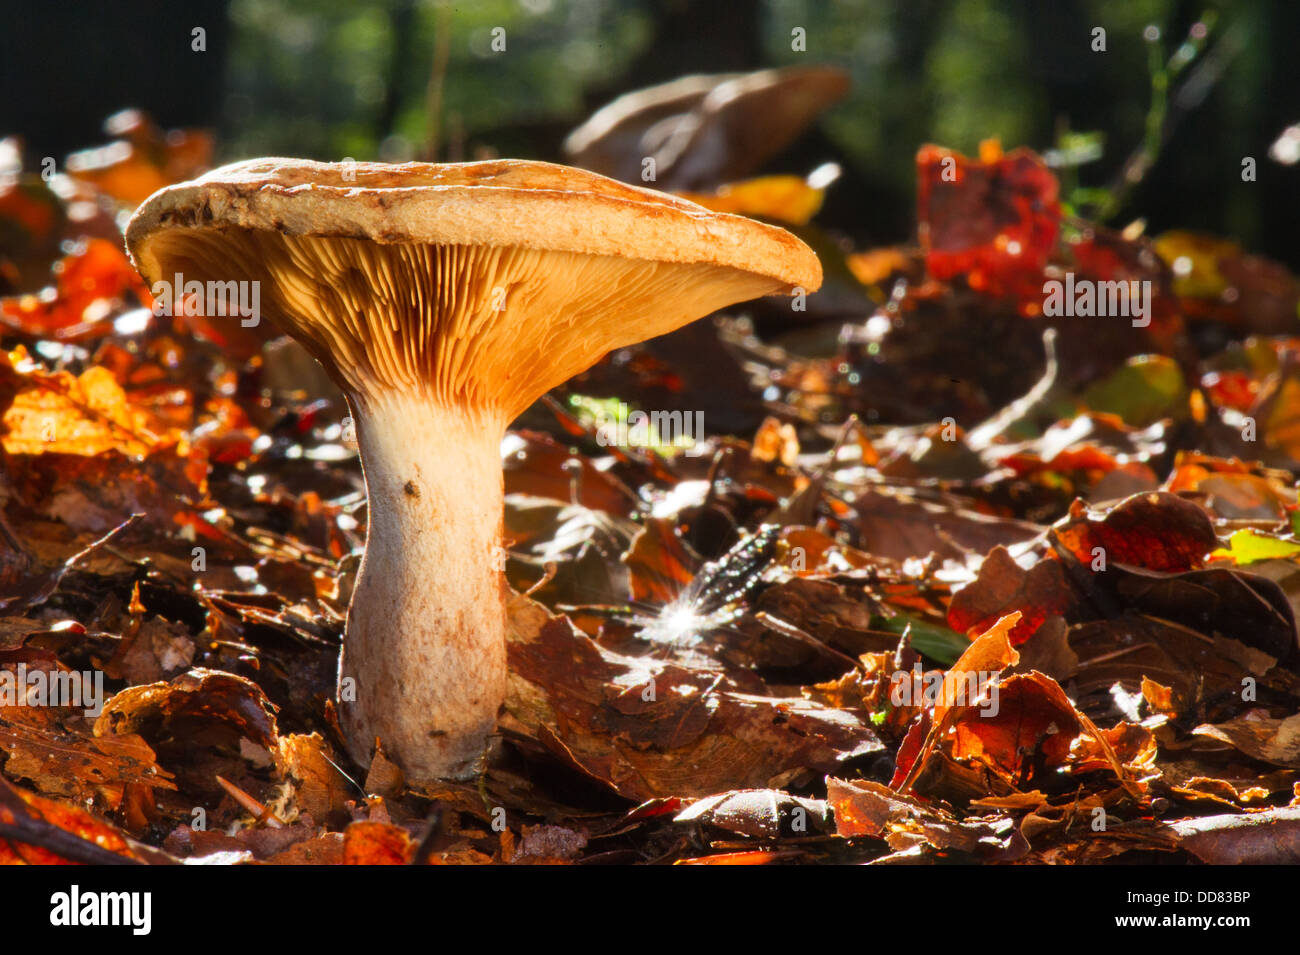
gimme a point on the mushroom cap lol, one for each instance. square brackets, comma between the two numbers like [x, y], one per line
[484, 283]
[506, 202]
[703, 130]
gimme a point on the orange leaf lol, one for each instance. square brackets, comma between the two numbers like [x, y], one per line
[89, 287]
[84, 414]
[991, 651]
[786, 199]
[376, 843]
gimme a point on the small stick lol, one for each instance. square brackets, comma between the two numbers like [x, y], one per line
[425, 848]
[263, 813]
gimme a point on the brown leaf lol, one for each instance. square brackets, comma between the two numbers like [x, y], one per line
[993, 219]
[1275, 741]
[194, 700]
[158, 649]
[67, 764]
[259, 843]
[1049, 652]
[549, 844]
[895, 526]
[1131, 648]
[1003, 586]
[539, 465]
[321, 787]
[52, 745]
[384, 777]
[760, 813]
[325, 849]
[1271, 837]
[89, 286]
[94, 494]
[1215, 600]
[648, 728]
[62, 413]
[46, 820]
[658, 565]
[865, 808]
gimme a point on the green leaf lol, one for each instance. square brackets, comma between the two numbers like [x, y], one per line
[1247, 547]
[936, 642]
[1146, 389]
[620, 427]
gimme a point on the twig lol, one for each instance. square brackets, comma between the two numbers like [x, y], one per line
[30, 829]
[432, 828]
[981, 436]
[263, 813]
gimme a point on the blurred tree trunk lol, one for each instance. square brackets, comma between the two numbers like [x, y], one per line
[402, 53]
[692, 36]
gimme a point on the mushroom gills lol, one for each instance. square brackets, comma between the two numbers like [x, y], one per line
[474, 326]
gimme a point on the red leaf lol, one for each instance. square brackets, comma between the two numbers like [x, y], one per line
[1157, 531]
[994, 219]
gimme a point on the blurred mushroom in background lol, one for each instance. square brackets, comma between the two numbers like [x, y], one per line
[701, 131]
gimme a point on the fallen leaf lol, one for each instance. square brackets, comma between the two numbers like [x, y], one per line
[648, 729]
[1275, 741]
[1271, 837]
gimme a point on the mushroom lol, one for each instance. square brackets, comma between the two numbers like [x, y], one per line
[443, 300]
[705, 130]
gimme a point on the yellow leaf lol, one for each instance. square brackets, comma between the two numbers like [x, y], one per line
[875, 265]
[69, 414]
[1194, 260]
[786, 199]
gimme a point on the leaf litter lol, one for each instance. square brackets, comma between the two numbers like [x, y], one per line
[1080, 549]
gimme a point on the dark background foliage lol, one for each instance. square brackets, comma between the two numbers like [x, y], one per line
[335, 78]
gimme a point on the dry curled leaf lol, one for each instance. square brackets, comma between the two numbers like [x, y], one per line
[647, 728]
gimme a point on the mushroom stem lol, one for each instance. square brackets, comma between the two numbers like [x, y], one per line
[423, 668]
